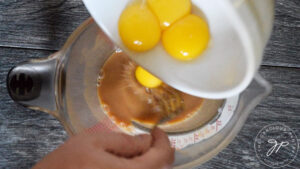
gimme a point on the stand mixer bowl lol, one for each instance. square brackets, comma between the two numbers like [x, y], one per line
[65, 85]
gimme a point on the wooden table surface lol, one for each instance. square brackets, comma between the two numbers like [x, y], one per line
[35, 29]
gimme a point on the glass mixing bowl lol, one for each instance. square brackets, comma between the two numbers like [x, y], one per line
[65, 85]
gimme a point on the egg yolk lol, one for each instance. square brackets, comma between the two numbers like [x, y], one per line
[139, 28]
[169, 11]
[146, 79]
[187, 38]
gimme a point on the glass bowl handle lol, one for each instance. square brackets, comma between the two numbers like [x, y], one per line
[32, 83]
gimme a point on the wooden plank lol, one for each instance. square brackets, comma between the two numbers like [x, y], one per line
[39, 24]
[47, 24]
[26, 136]
[283, 48]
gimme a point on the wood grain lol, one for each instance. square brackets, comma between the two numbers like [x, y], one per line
[47, 24]
[283, 48]
[44, 24]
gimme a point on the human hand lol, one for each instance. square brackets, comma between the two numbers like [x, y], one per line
[104, 150]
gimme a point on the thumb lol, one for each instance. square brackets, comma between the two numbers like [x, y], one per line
[160, 155]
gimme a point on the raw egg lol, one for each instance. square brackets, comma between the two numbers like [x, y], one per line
[146, 79]
[187, 38]
[138, 27]
[169, 11]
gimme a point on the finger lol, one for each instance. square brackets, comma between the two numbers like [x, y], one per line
[160, 155]
[124, 145]
[161, 148]
[160, 138]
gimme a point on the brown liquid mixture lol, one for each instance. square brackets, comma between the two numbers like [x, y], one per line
[124, 99]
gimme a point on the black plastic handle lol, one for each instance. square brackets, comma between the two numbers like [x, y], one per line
[23, 83]
[32, 84]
